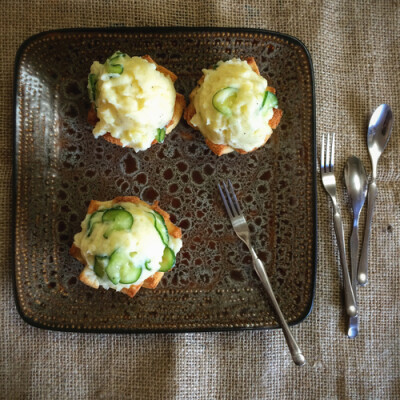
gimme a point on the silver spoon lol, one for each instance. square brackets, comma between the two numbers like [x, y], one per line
[356, 183]
[379, 130]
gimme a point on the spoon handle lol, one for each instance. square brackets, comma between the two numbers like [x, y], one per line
[363, 264]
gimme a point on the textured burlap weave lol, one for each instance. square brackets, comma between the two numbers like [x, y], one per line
[355, 48]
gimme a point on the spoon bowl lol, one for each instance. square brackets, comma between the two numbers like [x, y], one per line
[379, 131]
[356, 183]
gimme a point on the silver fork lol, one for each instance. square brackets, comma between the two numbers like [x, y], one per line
[329, 183]
[242, 231]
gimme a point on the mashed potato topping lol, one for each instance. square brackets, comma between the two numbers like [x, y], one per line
[229, 106]
[125, 246]
[133, 100]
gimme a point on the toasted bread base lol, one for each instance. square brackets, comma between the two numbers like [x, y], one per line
[152, 281]
[180, 104]
[221, 149]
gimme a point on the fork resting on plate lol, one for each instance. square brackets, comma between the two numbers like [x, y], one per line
[242, 231]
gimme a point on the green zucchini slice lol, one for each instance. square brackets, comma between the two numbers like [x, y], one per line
[160, 135]
[147, 265]
[115, 69]
[116, 55]
[118, 219]
[168, 260]
[120, 268]
[224, 99]
[129, 273]
[92, 87]
[100, 264]
[117, 259]
[94, 219]
[269, 101]
[159, 224]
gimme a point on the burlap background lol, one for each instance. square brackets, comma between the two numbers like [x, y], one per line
[356, 53]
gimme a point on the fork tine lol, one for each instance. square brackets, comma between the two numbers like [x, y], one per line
[238, 209]
[234, 211]
[323, 153]
[333, 152]
[228, 210]
[327, 153]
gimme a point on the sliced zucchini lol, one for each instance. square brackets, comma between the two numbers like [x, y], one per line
[94, 219]
[92, 87]
[168, 260]
[117, 259]
[269, 101]
[151, 217]
[120, 268]
[160, 135]
[116, 55]
[119, 217]
[115, 69]
[119, 220]
[147, 265]
[129, 273]
[224, 99]
[159, 224]
[100, 264]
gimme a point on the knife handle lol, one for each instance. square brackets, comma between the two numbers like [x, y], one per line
[353, 328]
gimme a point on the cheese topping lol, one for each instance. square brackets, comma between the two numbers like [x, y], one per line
[229, 106]
[132, 99]
[140, 246]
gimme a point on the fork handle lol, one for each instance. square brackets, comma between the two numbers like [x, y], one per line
[349, 299]
[294, 349]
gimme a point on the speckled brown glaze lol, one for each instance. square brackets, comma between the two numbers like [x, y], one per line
[60, 167]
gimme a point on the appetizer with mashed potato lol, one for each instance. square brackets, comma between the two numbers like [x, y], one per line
[126, 244]
[233, 107]
[134, 102]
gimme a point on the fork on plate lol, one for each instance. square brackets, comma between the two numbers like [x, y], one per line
[329, 183]
[242, 231]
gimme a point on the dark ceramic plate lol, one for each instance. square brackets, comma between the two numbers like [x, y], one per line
[59, 167]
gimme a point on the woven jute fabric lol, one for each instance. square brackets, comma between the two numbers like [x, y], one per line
[355, 47]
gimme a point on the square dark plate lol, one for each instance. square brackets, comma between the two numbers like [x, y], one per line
[60, 167]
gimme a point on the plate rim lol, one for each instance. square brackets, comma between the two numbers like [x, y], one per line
[147, 30]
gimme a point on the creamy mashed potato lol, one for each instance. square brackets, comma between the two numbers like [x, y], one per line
[229, 106]
[133, 100]
[140, 246]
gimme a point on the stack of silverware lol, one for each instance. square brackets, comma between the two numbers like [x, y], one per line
[379, 130]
